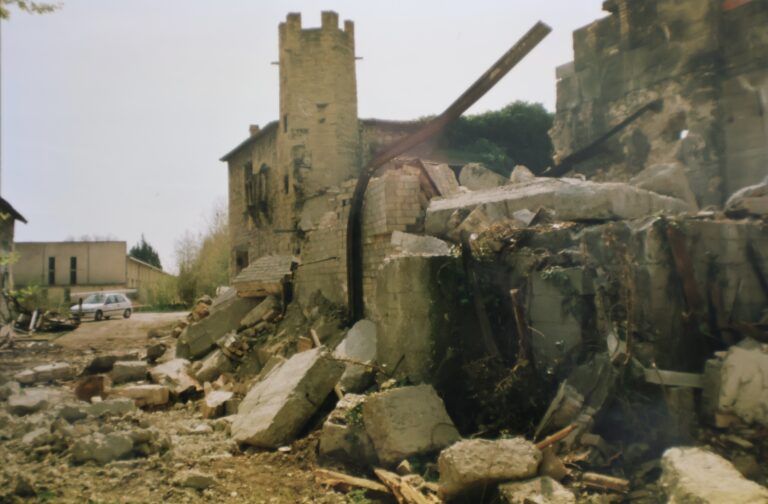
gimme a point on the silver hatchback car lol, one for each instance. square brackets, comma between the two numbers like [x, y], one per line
[101, 305]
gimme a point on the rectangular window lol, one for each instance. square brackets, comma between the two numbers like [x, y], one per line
[73, 270]
[51, 271]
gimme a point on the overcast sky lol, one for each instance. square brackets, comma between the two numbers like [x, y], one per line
[115, 113]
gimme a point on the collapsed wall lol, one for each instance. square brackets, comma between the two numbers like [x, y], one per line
[708, 61]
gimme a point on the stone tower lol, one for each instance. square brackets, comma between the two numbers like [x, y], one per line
[318, 135]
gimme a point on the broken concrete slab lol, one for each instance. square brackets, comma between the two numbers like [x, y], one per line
[278, 406]
[213, 365]
[225, 315]
[743, 387]
[477, 177]
[668, 179]
[407, 421]
[104, 363]
[213, 405]
[194, 479]
[127, 371]
[262, 310]
[46, 373]
[174, 374]
[443, 177]
[698, 475]
[31, 400]
[411, 244]
[111, 407]
[144, 395]
[751, 200]
[343, 436]
[569, 199]
[544, 490]
[356, 349]
[477, 464]
[102, 448]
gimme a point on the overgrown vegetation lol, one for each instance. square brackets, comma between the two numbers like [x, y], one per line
[25, 6]
[203, 258]
[501, 139]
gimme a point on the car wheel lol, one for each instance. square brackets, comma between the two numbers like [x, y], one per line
[99, 315]
[127, 313]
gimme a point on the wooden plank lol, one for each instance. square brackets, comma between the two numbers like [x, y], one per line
[603, 482]
[334, 479]
[674, 378]
[404, 492]
[557, 436]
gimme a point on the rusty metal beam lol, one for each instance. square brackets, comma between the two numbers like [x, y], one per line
[481, 86]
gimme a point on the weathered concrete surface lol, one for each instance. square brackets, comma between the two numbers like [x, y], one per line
[477, 177]
[569, 199]
[277, 407]
[126, 371]
[358, 345]
[474, 464]
[144, 395]
[226, 312]
[174, 374]
[407, 421]
[343, 436]
[46, 373]
[194, 479]
[695, 475]
[117, 407]
[744, 381]
[543, 490]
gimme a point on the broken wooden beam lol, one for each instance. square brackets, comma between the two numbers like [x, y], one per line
[335, 479]
[556, 437]
[603, 482]
[403, 491]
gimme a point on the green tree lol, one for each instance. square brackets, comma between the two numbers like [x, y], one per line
[516, 134]
[143, 251]
[25, 6]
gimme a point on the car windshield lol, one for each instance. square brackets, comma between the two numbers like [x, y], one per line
[94, 299]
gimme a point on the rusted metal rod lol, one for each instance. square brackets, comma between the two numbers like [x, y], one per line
[481, 86]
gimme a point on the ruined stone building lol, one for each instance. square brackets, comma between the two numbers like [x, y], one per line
[707, 60]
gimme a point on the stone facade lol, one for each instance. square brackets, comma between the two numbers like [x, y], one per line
[707, 59]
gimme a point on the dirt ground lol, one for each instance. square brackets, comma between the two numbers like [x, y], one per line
[196, 443]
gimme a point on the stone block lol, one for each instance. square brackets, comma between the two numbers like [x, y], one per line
[667, 179]
[102, 448]
[407, 421]
[46, 373]
[111, 407]
[358, 345]
[343, 436]
[225, 316]
[472, 465]
[127, 371]
[544, 490]
[278, 406]
[144, 395]
[743, 386]
[104, 363]
[411, 244]
[32, 400]
[213, 365]
[174, 374]
[194, 479]
[476, 177]
[262, 310]
[213, 405]
[697, 475]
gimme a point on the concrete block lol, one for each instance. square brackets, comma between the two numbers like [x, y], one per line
[744, 382]
[258, 313]
[104, 363]
[144, 395]
[127, 371]
[700, 476]
[407, 421]
[46, 373]
[213, 405]
[667, 179]
[32, 400]
[544, 490]
[225, 316]
[277, 407]
[476, 177]
[102, 448]
[411, 244]
[474, 464]
[358, 345]
[213, 365]
[111, 407]
[174, 374]
[343, 436]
